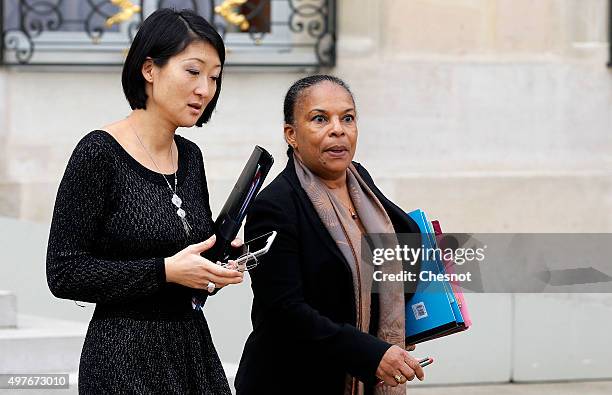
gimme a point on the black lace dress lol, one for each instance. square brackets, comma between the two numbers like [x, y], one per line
[112, 226]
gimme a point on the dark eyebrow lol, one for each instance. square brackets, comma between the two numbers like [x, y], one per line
[201, 61]
[325, 112]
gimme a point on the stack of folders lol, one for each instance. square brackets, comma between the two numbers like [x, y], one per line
[437, 308]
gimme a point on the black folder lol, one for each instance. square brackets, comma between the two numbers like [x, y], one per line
[236, 207]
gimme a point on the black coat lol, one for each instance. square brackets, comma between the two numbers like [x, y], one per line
[304, 338]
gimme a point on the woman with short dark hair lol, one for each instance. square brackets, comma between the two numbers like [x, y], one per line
[318, 325]
[132, 217]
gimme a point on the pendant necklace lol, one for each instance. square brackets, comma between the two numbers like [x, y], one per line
[351, 211]
[176, 200]
[349, 207]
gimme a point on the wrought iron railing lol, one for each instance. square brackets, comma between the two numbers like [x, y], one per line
[98, 32]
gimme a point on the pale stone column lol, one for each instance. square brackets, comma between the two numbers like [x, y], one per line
[9, 191]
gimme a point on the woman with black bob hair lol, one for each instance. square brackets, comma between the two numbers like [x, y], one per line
[164, 34]
[132, 217]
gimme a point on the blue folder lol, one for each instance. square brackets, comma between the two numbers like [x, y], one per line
[432, 311]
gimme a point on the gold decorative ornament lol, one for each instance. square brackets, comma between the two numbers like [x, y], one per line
[227, 10]
[128, 9]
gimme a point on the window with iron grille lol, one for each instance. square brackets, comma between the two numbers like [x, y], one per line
[99, 32]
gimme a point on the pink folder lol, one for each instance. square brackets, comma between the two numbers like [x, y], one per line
[448, 266]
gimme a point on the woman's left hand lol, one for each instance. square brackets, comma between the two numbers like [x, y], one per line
[397, 366]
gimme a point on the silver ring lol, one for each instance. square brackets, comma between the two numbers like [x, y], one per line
[211, 287]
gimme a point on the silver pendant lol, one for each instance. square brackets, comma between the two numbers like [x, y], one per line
[186, 226]
[176, 200]
[181, 213]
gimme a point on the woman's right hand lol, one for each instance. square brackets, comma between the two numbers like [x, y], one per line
[397, 361]
[187, 267]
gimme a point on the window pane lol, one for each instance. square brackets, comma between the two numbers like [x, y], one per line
[37, 16]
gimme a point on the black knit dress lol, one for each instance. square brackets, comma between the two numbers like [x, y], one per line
[113, 225]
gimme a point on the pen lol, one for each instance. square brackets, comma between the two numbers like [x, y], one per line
[425, 361]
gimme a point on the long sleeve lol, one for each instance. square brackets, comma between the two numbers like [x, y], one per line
[206, 195]
[278, 291]
[73, 270]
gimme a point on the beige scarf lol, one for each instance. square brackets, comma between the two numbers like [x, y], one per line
[347, 235]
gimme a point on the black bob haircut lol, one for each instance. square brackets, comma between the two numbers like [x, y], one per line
[295, 92]
[165, 33]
